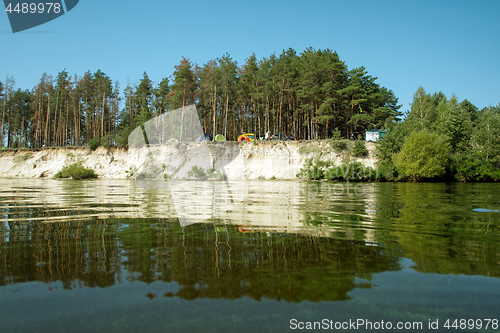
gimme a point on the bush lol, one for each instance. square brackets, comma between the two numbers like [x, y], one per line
[351, 172]
[387, 170]
[359, 149]
[336, 135]
[76, 171]
[108, 141]
[339, 145]
[468, 167]
[200, 174]
[94, 143]
[424, 155]
[197, 173]
[311, 171]
[316, 170]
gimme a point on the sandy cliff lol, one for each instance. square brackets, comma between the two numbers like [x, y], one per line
[251, 160]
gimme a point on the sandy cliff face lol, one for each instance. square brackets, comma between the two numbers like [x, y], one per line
[251, 160]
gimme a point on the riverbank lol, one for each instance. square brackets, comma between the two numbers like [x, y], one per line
[256, 160]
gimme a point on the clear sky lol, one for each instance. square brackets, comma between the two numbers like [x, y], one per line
[449, 46]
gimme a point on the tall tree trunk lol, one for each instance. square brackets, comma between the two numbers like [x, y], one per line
[54, 138]
[281, 105]
[227, 111]
[102, 114]
[46, 138]
[3, 116]
[214, 105]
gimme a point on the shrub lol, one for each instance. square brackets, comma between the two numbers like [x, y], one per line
[468, 167]
[336, 135]
[311, 171]
[339, 145]
[424, 155]
[359, 149]
[108, 141]
[76, 171]
[94, 143]
[24, 157]
[387, 170]
[197, 173]
[351, 172]
[216, 174]
[316, 170]
[309, 149]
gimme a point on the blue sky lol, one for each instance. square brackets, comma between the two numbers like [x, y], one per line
[448, 46]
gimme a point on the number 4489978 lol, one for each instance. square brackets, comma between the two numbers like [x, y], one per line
[32, 8]
[471, 324]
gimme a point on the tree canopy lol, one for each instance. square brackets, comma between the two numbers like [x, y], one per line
[460, 141]
[310, 95]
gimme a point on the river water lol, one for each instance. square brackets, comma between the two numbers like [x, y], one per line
[277, 256]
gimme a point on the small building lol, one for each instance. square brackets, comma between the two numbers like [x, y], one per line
[374, 135]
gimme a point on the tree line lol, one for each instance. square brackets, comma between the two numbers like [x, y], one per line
[444, 139]
[309, 95]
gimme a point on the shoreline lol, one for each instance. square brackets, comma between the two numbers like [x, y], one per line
[272, 160]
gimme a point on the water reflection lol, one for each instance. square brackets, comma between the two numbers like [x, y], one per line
[211, 260]
[288, 241]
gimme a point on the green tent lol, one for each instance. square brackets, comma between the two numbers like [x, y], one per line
[219, 137]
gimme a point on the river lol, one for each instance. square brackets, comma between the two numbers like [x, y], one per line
[258, 256]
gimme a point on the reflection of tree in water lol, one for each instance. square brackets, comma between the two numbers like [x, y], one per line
[221, 262]
[75, 253]
[436, 228]
[432, 224]
[212, 261]
[227, 261]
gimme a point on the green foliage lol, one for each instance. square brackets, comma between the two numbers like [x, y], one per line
[23, 157]
[469, 167]
[311, 170]
[304, 150]
[422, 114]
[425, 155]
[108, 140]
[351, 172]
[76, 171]
[199, 173]
[472, 136]
[360, 149]
[184, 86]
[313, 96]
[122, 136]
[94, 143]
[130, 172]
[216, 175]
[386, 171]
[336, 134]
[317, 170]
[393, 141]
[339, 145]
[486, 139]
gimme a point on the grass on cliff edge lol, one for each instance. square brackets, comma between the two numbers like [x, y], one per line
[76, 171]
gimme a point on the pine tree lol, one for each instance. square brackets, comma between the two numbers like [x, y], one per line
[183, 91]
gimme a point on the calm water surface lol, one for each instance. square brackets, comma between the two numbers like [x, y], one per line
[111, 256]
